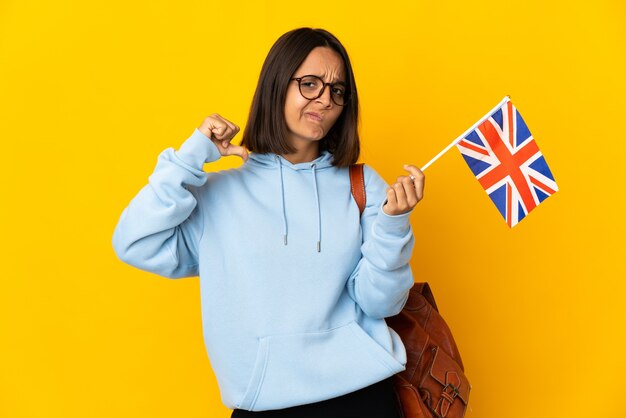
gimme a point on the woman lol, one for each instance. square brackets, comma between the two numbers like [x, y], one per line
[295, 286]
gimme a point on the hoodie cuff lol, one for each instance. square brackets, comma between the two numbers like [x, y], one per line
[393, 224]
[198, 150]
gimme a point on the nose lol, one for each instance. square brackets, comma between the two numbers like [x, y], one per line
[325, 98]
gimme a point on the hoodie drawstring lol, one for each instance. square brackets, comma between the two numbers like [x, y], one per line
[282, 195]
[317, 202]
[319, 213]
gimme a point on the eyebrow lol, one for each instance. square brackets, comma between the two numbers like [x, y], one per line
[334, 81]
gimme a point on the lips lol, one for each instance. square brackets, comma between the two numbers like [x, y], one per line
[314, 116]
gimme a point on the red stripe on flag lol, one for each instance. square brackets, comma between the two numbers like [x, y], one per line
[509, 164]
[473, 147]
[541, 185]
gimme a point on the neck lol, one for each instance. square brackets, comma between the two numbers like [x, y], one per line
[304, 153]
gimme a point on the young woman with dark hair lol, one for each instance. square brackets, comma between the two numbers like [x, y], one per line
[266, 130]
[295, 285]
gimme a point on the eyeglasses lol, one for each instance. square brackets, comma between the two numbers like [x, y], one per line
[311, 87]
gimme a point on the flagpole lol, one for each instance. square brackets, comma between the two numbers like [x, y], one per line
[453, 143]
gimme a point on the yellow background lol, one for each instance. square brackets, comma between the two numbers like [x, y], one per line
[92, 91]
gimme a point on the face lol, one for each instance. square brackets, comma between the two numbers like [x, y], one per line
[310, 120]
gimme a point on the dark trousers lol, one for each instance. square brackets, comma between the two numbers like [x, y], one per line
[376, 401]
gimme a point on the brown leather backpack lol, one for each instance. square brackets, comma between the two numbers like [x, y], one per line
[434, 384]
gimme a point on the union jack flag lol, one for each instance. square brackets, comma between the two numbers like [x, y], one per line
[504, 157]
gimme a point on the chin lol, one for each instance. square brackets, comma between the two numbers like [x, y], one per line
[318, 136]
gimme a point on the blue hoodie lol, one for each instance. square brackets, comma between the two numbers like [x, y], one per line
[294, 286]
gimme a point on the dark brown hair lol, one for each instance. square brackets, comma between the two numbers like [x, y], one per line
[266, 130]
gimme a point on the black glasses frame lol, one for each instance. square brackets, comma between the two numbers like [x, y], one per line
[331, 85]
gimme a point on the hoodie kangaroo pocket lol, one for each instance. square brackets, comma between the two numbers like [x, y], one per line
[297, 369]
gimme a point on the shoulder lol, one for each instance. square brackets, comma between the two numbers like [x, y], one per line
[375, 185]
[222, 179]
[372, 178]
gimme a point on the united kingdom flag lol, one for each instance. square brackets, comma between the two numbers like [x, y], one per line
[504, 157]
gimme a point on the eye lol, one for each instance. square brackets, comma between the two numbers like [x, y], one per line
[339, 91]
[310, 83]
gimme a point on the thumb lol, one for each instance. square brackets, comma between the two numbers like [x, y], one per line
[238, 150]
[415, 172]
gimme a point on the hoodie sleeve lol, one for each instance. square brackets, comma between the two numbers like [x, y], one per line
[382, 279]
[160, 229]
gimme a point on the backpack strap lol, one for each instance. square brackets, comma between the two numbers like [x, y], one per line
[357, 185]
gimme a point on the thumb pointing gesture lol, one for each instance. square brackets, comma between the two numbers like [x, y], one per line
[221, 131]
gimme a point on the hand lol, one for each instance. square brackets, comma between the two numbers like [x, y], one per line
[406, 192]
[221, 131]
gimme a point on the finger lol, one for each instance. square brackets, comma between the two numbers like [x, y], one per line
[224, 134]
[218, 130]
[414, 171]
[418, 179]
[400, 196]
[410, 191]
[207, 125]
[231, 128]
[228, 134]
[392, 201]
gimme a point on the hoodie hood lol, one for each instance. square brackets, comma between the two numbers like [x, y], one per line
[274, 161]
[271, 160]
